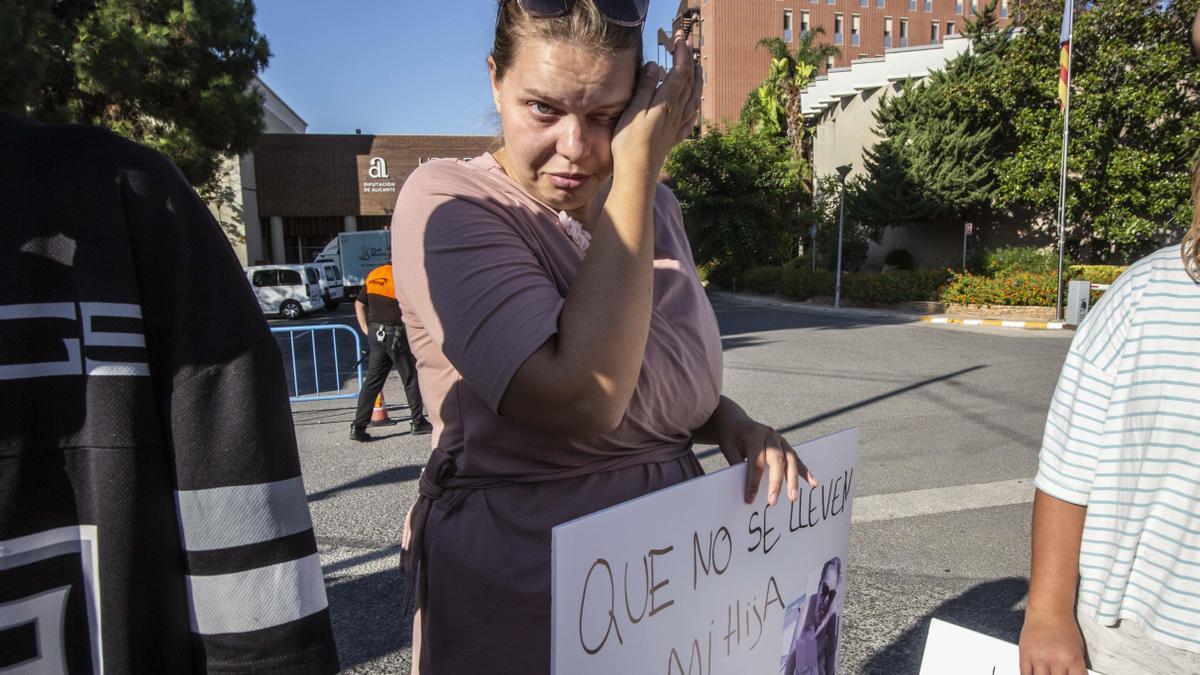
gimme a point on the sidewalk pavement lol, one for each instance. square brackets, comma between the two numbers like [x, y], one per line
[771, 301]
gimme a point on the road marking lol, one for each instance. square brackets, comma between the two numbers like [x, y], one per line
[932, 501]
[1004, 323]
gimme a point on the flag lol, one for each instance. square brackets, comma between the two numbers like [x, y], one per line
[1064, 54]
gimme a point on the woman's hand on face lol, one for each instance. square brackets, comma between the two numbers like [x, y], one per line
[763, 449]
[658, 117]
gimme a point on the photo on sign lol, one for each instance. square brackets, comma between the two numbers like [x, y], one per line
[812, 622]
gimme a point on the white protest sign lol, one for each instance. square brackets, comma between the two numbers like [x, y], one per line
[694, 581]
[954, 650]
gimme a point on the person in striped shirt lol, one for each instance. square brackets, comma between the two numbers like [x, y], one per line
[1116, 519]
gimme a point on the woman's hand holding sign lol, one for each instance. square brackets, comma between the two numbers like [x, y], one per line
[761, 447]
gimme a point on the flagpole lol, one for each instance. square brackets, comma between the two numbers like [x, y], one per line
[1062, 186]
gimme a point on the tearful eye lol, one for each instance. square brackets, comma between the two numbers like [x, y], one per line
[541, 108]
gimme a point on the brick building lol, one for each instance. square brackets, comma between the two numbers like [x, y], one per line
[285, 199]
[310, 187]
[725, 33]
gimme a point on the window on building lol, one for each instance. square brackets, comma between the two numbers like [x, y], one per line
[887, 32]
[934, 32]
[805, 22]
[1003, 9]
[837, 29]
[878, 4]
[912, 5]
[958, 7]
[787, 25]
[828, 64]
[928, 5]
[855, 30]
[949, 28]
[864, 3]
[903, 32]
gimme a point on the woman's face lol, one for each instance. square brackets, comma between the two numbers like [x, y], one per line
[558, 107]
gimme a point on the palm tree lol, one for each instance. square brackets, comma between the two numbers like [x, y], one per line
[796, 72]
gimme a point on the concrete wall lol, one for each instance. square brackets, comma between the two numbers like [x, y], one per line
[842, 105]
[236, 208]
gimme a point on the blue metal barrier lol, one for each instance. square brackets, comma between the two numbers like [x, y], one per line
[298, 333]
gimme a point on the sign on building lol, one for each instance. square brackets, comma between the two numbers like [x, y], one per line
[377, 178]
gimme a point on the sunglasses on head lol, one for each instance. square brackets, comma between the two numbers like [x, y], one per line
[620, 12]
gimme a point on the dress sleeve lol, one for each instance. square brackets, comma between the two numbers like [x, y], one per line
[255, 591]
[475, 283]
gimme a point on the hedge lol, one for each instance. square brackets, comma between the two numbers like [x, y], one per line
[886, 288]
[1097, 274]
[868, 288]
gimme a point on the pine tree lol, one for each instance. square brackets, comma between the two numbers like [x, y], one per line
[174, 76]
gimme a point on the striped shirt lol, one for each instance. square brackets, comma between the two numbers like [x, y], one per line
[1123, 438]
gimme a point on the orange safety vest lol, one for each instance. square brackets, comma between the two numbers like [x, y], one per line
[379, 282]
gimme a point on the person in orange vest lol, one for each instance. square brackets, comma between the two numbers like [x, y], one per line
[379, 317]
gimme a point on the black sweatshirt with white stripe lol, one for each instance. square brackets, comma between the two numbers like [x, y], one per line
[152, 514]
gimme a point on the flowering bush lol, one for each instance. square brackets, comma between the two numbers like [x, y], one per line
[1016, 288]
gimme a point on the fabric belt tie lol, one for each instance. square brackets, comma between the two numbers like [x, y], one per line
[438, 472]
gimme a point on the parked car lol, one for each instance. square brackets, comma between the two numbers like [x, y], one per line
[332, 291]
[287, 290]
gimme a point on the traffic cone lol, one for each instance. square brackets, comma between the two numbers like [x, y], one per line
[379, 416]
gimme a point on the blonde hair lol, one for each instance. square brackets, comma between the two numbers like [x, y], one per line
[1190, 249]
[584, 26]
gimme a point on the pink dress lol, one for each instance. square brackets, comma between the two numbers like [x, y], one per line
[482, 272]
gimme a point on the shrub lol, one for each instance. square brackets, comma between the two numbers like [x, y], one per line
[1004, 261]
[803, 283]
[763, 279]
[1097, 274]
[874, 288]
[899, 258]
[718, 274]
[1016, 288]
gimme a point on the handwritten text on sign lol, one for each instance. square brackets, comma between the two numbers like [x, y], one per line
[694, 581]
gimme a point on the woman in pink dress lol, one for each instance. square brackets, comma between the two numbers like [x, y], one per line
[566, 352]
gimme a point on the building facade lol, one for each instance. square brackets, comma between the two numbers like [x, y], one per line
[724, 35]
[236, 204]
[294, 191]
[311, 187]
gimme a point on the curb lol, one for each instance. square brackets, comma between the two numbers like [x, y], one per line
[1027, 325]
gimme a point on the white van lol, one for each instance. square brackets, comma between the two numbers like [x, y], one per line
[287, 290]
[332, 290]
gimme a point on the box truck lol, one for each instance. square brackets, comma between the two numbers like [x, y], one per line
[357, 253]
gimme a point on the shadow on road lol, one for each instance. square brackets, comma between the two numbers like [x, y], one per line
[400, 474]
[861, 404]
[366, 616]
[876, 399]
[990, 608]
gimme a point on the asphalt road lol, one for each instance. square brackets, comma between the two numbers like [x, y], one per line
[950, 420]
